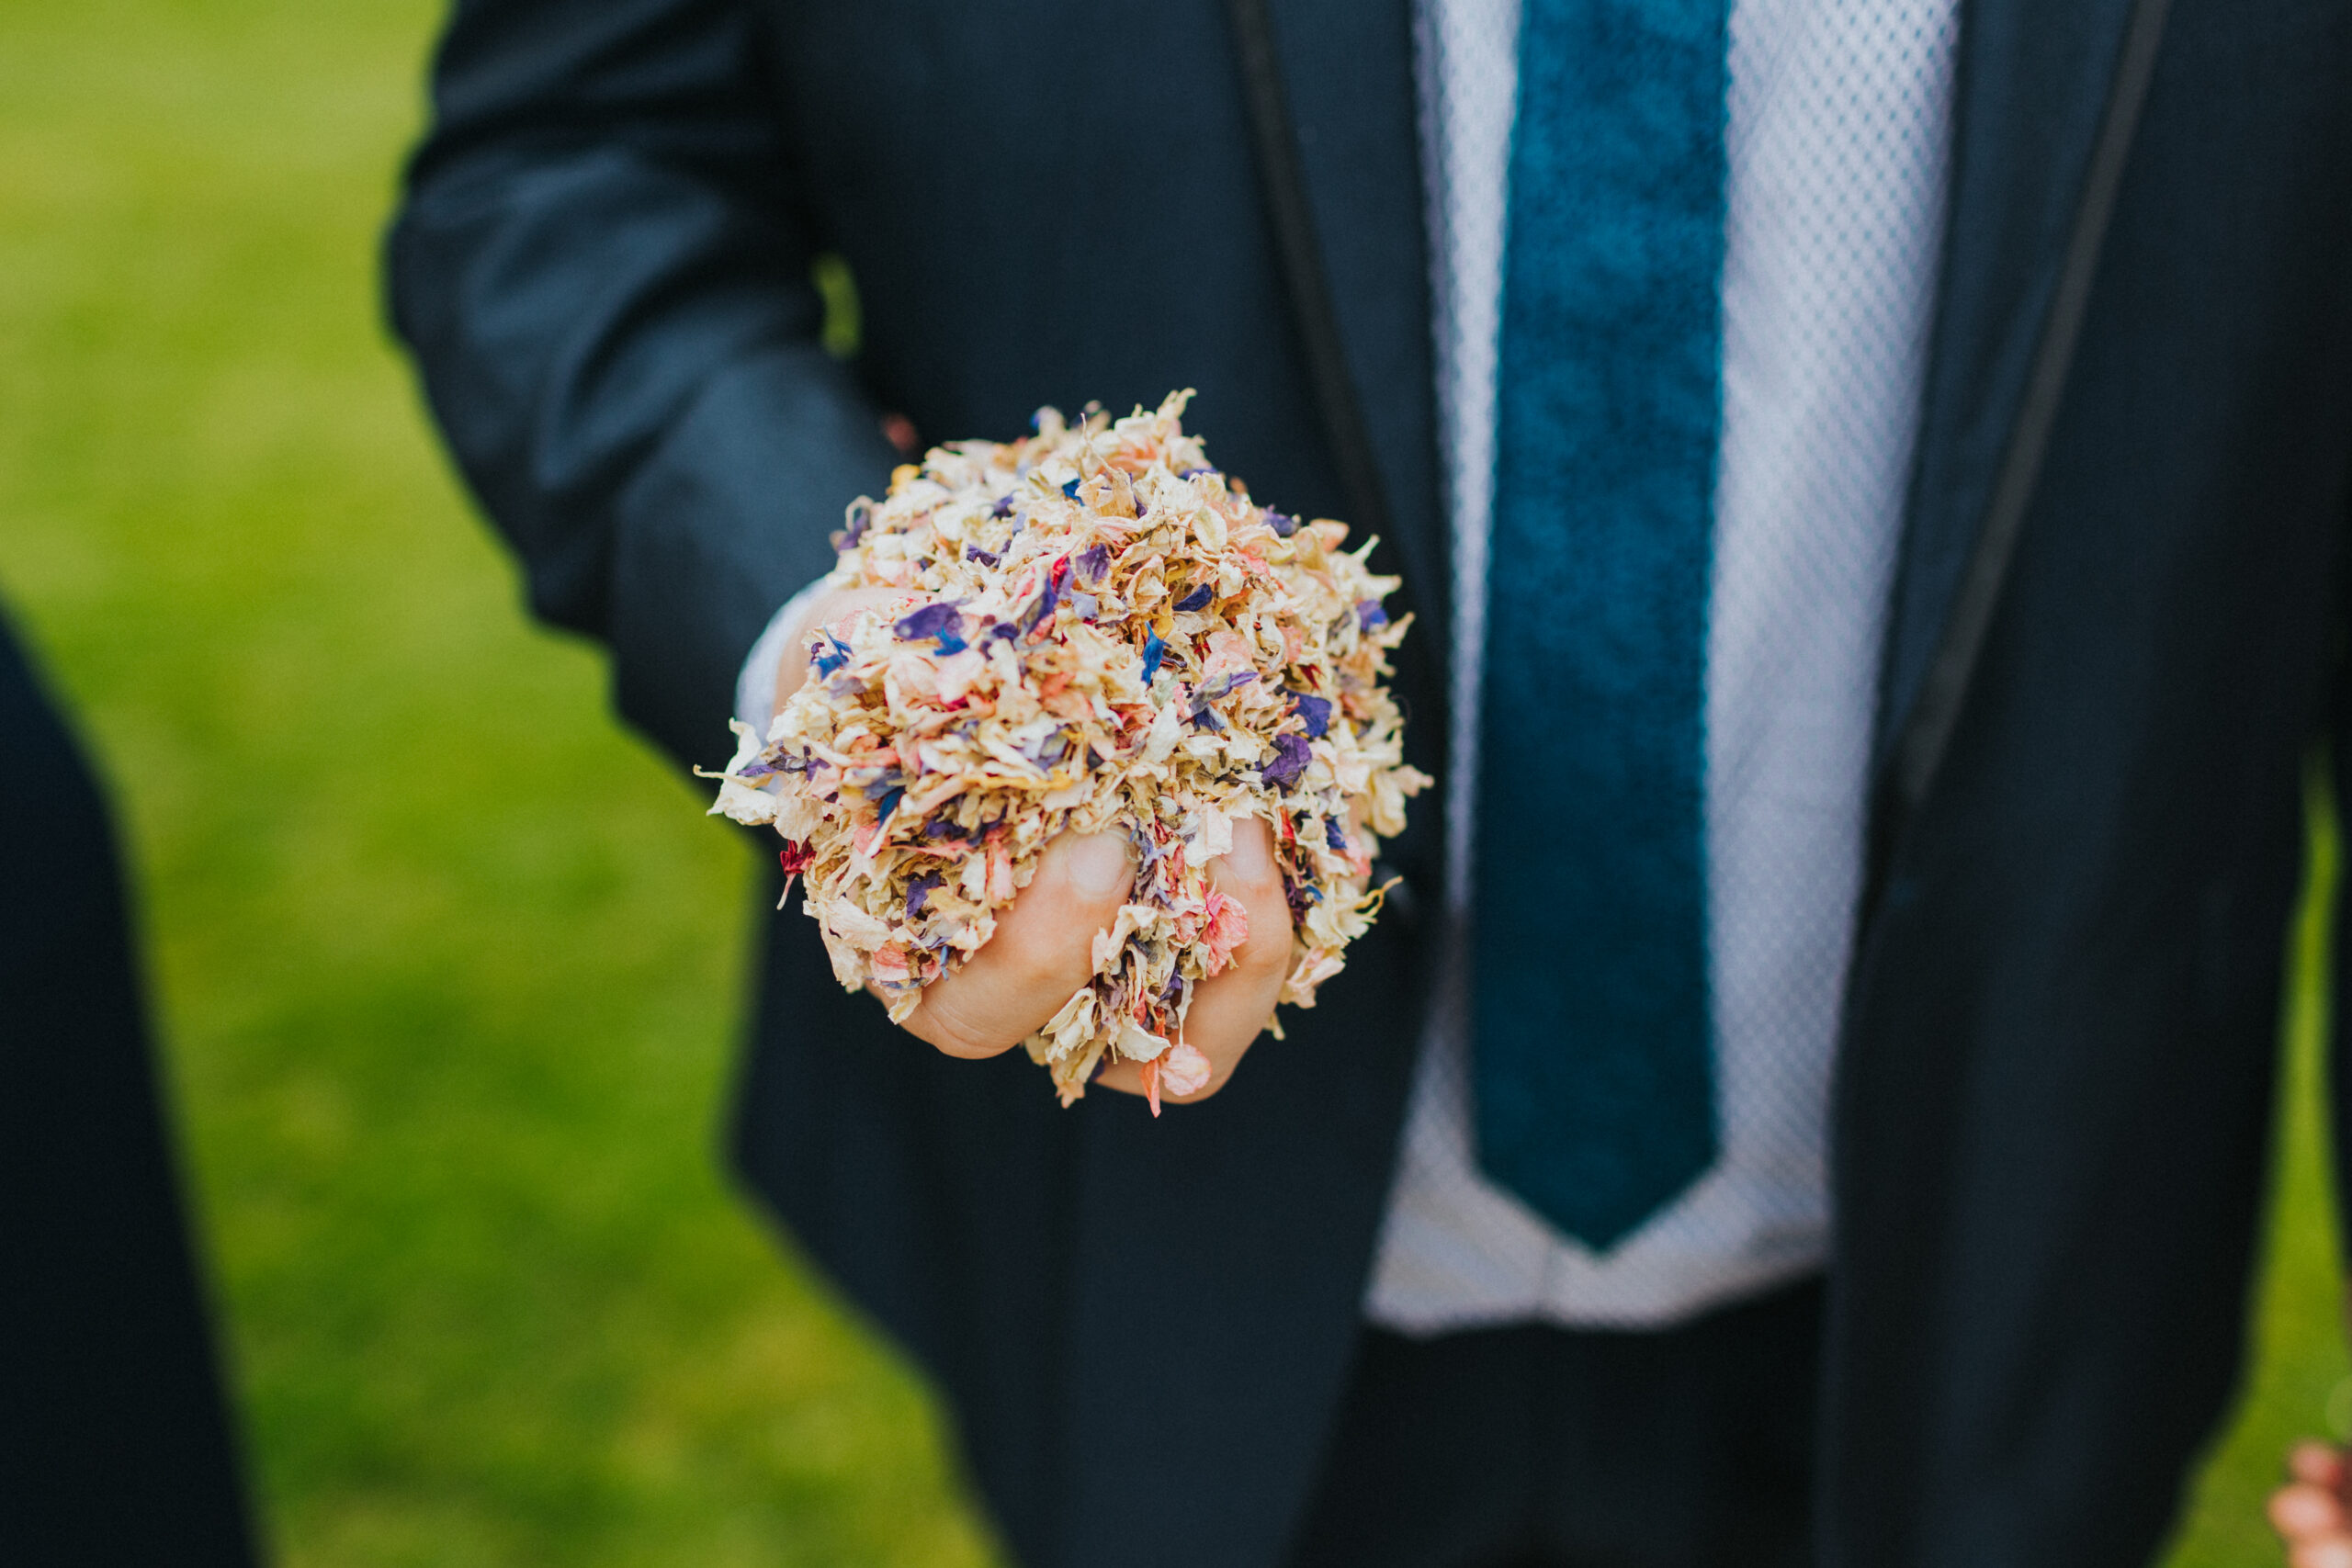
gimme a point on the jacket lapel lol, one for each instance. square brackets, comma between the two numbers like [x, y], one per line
[2037, 97]
[2046, 100]
[1345, 74]
[2045, 104]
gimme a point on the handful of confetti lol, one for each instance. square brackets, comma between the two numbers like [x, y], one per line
[1101, 633]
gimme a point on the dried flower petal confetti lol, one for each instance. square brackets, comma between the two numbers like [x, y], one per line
[1099, 632]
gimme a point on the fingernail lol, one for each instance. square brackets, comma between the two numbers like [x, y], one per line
[1098, 863]
[1252, 854]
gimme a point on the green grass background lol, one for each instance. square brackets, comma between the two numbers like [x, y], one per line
[447, 967]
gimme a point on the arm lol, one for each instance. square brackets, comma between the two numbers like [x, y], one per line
[601, 267]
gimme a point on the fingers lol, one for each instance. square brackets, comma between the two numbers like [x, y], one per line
[1228, 1010]
[2304, 1512]
[2310, 1514]
[1043, 951]
[830, 610]
[2333, 1552]
[2317, 1464]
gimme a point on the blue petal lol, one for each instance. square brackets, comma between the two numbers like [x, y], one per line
[1315, 711]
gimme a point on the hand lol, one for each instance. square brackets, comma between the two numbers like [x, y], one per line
[1230, 1009]
[1043, 951]
[2312, 1512]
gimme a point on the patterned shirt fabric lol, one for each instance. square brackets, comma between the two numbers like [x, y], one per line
[1837, 137]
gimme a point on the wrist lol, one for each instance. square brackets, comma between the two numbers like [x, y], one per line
[780, 651]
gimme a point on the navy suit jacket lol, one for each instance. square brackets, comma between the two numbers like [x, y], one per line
[117, 1438]
[2112, 648]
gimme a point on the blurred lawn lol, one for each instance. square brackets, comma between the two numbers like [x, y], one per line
[449, 968]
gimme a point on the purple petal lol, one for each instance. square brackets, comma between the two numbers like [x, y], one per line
[859, 516]
[919, 891]
[1093, 563]
[1197, 599]
[1370, 615]
[1290, 760]
[1315, 711]
[1046, 749]
[943, 621]
[1282, 525]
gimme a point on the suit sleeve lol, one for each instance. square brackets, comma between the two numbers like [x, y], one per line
[601, 266]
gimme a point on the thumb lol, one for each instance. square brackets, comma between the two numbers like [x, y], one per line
[1043, 951]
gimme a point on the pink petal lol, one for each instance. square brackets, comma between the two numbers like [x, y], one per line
[1186, 1069]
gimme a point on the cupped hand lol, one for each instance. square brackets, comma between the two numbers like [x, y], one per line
[1042, 950]
[1231, 1008]
[2312, 1512]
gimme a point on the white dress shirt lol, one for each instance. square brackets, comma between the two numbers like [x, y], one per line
[1836, 140]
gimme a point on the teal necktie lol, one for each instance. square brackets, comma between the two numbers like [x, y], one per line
[1593, 1053]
